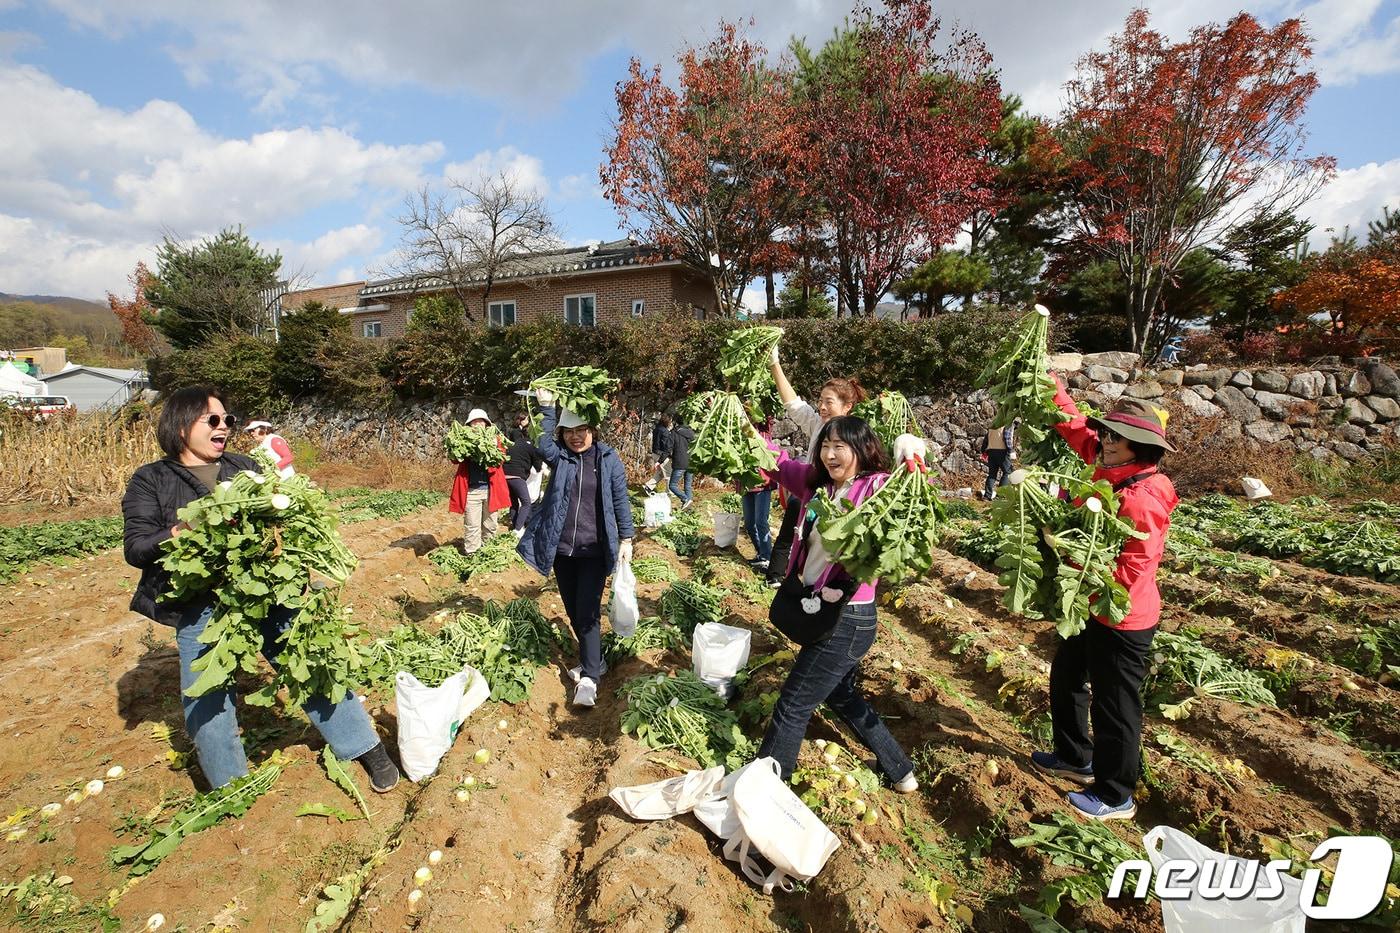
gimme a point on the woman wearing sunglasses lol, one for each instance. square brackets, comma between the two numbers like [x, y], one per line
[193, 431]
[1126, 447]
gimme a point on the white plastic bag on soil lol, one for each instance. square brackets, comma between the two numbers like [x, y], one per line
[717, 653]
[1196, 914]
[429, 717]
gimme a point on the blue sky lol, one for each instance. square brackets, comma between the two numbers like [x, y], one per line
[309, 122]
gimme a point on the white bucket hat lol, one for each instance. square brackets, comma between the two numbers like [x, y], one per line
[476, 413]
[568, 419]
[254, 425]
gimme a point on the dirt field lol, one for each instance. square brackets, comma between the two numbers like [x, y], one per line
[540, 847]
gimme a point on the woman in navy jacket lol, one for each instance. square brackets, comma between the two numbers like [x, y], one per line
[581, 530]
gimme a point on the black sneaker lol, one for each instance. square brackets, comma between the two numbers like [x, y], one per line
[383, 773]
[1050, 763]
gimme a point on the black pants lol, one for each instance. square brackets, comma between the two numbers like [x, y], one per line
[997, 463]
[519, 502]
[581, 581]
[1113, 663]
[782, 545]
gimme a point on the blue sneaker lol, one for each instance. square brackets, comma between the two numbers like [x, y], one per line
[1092, 807]
[1050, 763]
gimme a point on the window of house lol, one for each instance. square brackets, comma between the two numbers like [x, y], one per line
[372, 329]
[579, 309]
[408, 317]
[639, 305]
[501, 313]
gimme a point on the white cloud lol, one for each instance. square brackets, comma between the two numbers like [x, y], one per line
[525, 170]
[1352, 199]
[88, 188]
[313, 260]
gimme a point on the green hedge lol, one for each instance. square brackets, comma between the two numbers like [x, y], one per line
[661, 360]
[669, 359]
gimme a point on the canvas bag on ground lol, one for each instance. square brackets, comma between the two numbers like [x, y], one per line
[774, 822]
[726, 529]
[1199, 915]
[622, 613]
[717, 653]
[665, 799]
[429, 717]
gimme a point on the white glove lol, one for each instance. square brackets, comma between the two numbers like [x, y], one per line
[544, 397]
[624, 551]
[909, 446]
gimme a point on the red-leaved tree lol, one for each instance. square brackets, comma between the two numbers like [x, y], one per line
[897, 127]
[1175, 143]
[133, 313]
[703, 172]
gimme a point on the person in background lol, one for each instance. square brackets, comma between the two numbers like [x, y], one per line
[275, 445]
[478, 493]
[1098, 673]
[521, 457]
[836, 399]
[757, 503]
[660, 452]
[581, 531]
[681, 478]
[998, 450]
[193, 431]
[852, 465]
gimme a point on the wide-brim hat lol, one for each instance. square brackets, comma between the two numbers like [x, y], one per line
[568, 419]
[476, 413]
[254, 425]
[1136, 420]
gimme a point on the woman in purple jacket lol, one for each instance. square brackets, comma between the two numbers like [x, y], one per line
[850, 463]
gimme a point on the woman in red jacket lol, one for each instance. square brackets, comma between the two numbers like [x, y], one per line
[478, 493]
[1126, 446]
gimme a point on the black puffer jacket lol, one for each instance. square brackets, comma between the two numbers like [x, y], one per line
[681, 439]
[156, 492]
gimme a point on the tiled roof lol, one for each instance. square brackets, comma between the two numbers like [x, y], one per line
[565, 261]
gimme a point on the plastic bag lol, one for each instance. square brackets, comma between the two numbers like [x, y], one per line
[429, 717]
[665, 799]
[726, 529]
[1196, 914]
[656, 510]
[717, 652]
[534, 483]
[623, 611]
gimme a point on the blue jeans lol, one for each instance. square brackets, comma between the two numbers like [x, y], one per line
[826, 673]
[212, 723]
[676, 477]
[998, 469]
[756, 507]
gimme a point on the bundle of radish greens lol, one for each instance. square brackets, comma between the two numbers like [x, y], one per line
[744, 365]
[1018, 380]
[583, 390]
[889, 415]
[255, 543]
[1057, 557]
[479, 444]
[727, 446]
[888, 536]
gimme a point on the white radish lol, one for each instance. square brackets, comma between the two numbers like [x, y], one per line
[414, 897]
[463, 795]
[1093, 504]
[115, 772]
[1017, 477]
[482, 756]
[503, 725]
[434, 856]
[93, 788]
[281, 501]
[423, 875]
[155, 921]
[1042, 310]
[49, 809]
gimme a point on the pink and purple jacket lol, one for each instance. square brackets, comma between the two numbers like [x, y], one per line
[799, 478]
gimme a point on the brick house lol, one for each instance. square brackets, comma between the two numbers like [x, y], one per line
[583, 285]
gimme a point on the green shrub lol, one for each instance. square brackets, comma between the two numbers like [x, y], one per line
[243, 366]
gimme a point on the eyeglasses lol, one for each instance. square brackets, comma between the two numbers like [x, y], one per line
[229, 421]
[1107, 435]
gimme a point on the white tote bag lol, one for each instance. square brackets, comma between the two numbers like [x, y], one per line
[726, 529]
[779, 826]
[656, 510]
[622, 613]
[665, 799]
[717, 653]
[429, 717]
[1196, 914]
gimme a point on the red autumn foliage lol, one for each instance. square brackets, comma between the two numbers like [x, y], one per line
[1174, 142]
[705, 172]
[898, 128]
[132, 313]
